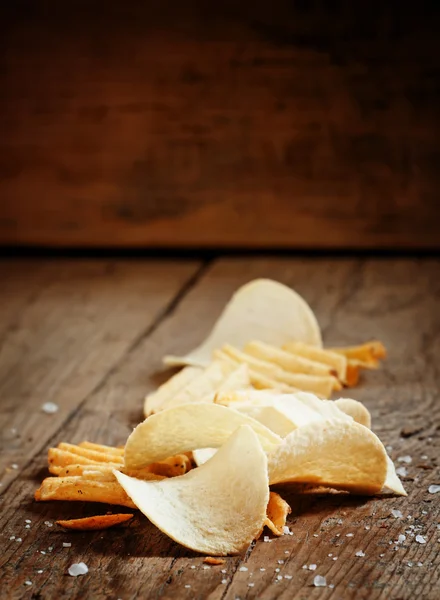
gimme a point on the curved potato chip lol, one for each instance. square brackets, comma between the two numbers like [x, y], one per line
[262, 309]
[218, 508]
[188, 427]
[202, 455]
[158, 398]
[356, 410]
[333, 453]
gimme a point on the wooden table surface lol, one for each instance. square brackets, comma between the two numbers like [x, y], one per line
[89, 335]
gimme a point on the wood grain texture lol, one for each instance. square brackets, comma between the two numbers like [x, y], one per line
[306, 124]
[395, 300]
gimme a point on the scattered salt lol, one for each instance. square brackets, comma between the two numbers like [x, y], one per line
[319, 581]
[312, 567]
[288, 576]
[223, 571]
[401, 538]
[193, 567]
[266, 538]
[18, 540]
[331, 554]
[405, 459]
[367, 527]
[224, 581]
[335, 558]
[340, 521]
[243, 569]
[381, 555]
[420, 564]
[40, 571]
[78, 569]
[67, 544]
[434, 489]
[409, 563]
[12, 537]
[286, 551]
[27, 526]
[14, 466]
[420, 539]
[277, 570]
[42, 552]
[251, 584]
[262, 569]
[424, 457]
[315, 535]
[28, 583]
[206, 567]
[27, 521]
[389, 448]
[402, 471]
[279, 577]
[48, 523]
[304, 567]
[331, 585]
[187, 586]
[49, 408]
[280, 562]
[397, 514]
[286, 530]
[349, 535]
[360, 553]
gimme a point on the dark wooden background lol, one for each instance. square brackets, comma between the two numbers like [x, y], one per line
[240, 124]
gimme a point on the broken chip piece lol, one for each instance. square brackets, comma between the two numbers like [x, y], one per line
[95, 523]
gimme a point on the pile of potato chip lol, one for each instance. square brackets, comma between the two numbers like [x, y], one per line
[247, 411]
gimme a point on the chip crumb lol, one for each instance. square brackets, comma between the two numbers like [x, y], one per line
[434, 489]
[243, 569]
[78, 569]
[67, 544]
[212, 560]
[319, 581]
[405, 459]
[397, 514]
[49, 408]
[312, 567]
[420, 539]
[360, 553]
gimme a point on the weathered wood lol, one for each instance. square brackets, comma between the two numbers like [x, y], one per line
[311, 124]
[395, 300]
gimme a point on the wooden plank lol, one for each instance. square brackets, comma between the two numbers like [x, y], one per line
[300, 125]
[64, 326]
[396, 300]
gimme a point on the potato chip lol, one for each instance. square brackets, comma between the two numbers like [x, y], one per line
[277, 511]
[262, 309]
[202, 455]
[85, 490]
[287, 361]
[61, 458]
[334, 360]
[334, 453]
[218, 508]
[185, 428]
[392, 483]
[369, 352]
[356, 410]
[95, 523]
[154, 401]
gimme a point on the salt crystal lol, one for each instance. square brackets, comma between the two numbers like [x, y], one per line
[193, 567]
[434, 489]
[28, 583]
[50, 549]
[42, 552]
[349, 535]
[405, 459]
[12, 537]
[67, 544]
[279, 577]
[401, 538]
[206, 567]
[262, 569]
[381, 555]
[402, 471]
[14, 466]
[251, 584]
[389, 448]
[286, 530]
[420, 564]
[312, 567]
[360, 553]
[420, 539]
[424, 512]
[409, 563]
[340, 521]
[367, 527]
[40, 571]
[288, 576]
[331, 585]
[223, 571]
[18, 540]
[27, 526]
[224, 581]
[331, 554]
[315, 535]
[78, 569]
[335, 558]
[397, 514]
[243, 569]
[49, 408]
[48, 523]
[266, 538]
[319, 581]
[277, 570]
[27, 521]
[187, 586]
[304, 567]
[280, 562]
[286, 551]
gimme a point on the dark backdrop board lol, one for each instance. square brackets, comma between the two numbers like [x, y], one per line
[243, 124]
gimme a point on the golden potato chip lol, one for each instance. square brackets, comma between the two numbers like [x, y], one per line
[62, 458]
[104, 457]
[287, 361]
[218, 508]
[336, 361]
[95, 523]
[262, 309]
[102, 448]
[155, 400]
[85, 490]
[188, 427]
[356, 410]
[277, 511]
[369, 352]
[334, 453]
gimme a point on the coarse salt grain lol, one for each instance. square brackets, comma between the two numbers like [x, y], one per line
[397, 514]
[266, 538]
[12, 537]
[277, 570]
[28, 583]
[304, 567]
[424, 457]
[335, 558]
[27, 526]
[349, 535]
[187, 586]
[48, 523]
[40, 571]
[224, 581]
[319, 581]
[360, 553]
[286, 530]
[193, 567]
[18, 540]
[315, 535]
[409, 563]
[381, 555]
[223, 571]
[401, 538]
[288, 576]
[405, 459]
[402, 471]
[312, 567]
[331, 554]
[206, 567]
[420, 539]
[279, 577]
[14, 466]
[280, 562]
[367, 527]
[420, 564]
[434, 489]
[78, 569]
[27, 521]
[251, 584]
[262, 569]
[49, 408]
[243, 569]
[42, 552]
[67, 544]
